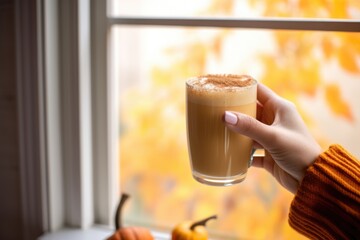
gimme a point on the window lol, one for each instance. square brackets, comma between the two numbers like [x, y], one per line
[310, 57]
[312, 61]
[130, 118]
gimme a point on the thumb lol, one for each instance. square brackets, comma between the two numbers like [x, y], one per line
[249, 126]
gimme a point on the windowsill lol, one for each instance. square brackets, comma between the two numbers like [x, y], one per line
[94, 233]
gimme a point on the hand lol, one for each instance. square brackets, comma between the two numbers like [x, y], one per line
[289, 147]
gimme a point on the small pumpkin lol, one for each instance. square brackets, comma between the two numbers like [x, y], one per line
[191, 230]
[128, 233]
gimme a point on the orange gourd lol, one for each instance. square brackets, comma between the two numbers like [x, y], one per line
[128, 233]
[191, 231]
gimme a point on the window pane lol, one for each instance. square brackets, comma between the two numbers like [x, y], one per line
[318, 71]
[344, 9]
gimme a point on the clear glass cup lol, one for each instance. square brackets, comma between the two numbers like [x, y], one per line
[218, 156]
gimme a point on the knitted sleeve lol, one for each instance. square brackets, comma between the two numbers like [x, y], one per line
[327, 203]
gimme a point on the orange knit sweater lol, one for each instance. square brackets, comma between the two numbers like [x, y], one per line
[327, 203]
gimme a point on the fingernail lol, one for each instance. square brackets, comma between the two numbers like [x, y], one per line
[230, 118]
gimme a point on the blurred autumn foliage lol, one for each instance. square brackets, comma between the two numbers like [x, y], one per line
[154, 160]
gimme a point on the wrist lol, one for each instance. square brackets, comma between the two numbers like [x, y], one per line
[313, 156]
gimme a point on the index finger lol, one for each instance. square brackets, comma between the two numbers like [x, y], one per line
[265, 94]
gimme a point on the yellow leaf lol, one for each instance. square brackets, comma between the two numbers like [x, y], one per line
[336, 103]
[338, 9]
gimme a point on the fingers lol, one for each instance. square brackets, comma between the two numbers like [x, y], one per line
[257, 145]
[259, 110]
[264, 93]
[266, 163]
[249, 127]
[258, 162]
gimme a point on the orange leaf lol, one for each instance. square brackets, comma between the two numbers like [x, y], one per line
[217, 43]
[336, 102]
[347, 60]
[221, 6]
[327, 47]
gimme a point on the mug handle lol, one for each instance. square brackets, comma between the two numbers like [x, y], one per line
[256, 153]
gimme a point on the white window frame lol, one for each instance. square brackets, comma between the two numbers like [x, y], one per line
[67, 111]
[77, 115]
[80, 136]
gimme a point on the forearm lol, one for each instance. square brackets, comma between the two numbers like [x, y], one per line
[327, 203]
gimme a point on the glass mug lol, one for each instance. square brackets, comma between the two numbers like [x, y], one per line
[219, 156]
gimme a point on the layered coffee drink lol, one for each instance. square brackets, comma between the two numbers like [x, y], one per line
[218, 156]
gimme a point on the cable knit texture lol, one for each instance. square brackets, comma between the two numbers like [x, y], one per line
[327, 203]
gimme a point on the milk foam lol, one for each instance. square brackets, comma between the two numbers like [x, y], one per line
[221, 82]
[222, 89]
